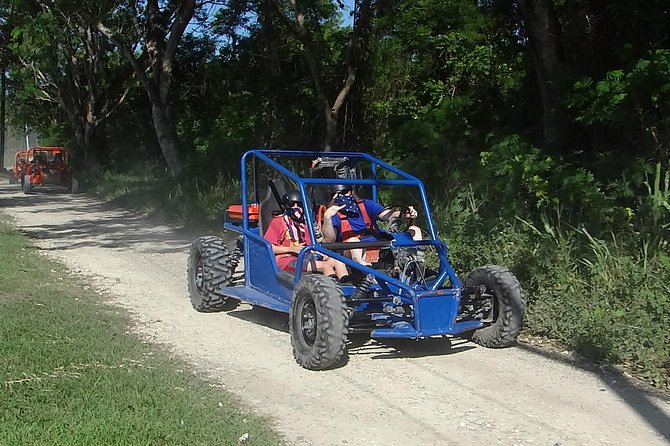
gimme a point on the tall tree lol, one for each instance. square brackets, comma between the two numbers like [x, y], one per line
[6, 26]
[330, 106]
[445, 81]
[158, 27]
[72, 66]
[543, 31]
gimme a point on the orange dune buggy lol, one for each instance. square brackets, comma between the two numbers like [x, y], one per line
[17, 168]
[48, 165]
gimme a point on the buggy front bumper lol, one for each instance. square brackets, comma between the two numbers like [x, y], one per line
[435, 313]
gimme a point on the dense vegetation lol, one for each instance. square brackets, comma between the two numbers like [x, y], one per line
[542, 126]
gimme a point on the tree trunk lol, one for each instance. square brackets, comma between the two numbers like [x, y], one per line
[90, 140]
[276, 92]
[82, 129]
[331, 116]
[167, 137]
[331, 112]
[544, 36]
[99, 145]
[162, 32]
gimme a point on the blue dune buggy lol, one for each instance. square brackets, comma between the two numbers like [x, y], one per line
[409, 291]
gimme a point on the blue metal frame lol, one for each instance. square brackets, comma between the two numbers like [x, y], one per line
[434, 308]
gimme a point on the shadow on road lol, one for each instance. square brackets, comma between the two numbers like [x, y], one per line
[362, 344]
[409, 348]
[110, 227]
[643, 401]
[275, 320]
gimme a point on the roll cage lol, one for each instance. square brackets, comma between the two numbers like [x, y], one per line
[252, 160]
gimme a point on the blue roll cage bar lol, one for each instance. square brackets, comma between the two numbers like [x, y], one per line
[264, 155]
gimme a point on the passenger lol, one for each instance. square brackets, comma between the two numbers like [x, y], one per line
[352, 219]
[288, 234]
[58, 162]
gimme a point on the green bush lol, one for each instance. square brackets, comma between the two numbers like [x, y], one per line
[602, 298]
[150, 190]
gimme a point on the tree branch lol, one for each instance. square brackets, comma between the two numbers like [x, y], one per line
[310, 54]
[135, 62]
[181, 21]
[350, 53]
[41, 81]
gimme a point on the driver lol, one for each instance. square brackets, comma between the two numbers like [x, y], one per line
[58, 162]
[349, 218]
[36, 164]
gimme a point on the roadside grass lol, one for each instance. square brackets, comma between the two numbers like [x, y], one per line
[192, 202]
[73, 375]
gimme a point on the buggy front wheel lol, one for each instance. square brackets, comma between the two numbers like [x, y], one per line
[26, 184]
[508, 307]
[318, 322]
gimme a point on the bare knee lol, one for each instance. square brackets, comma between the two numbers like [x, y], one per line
[326, 268]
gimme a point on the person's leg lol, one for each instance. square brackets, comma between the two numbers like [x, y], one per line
[415, 232]
[323, 267]
[356, 254]
[340, 270]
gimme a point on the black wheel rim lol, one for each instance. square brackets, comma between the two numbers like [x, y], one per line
[308, 322]
[198, 274]
[495, 306]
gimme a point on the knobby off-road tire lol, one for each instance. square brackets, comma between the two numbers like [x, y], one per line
[318, 322]
[509, 306]
[26, 184]
[209, 268]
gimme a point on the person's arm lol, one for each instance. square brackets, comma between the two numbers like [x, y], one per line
[393, 216]
[327, 228]
[277, 250]
[388, 213]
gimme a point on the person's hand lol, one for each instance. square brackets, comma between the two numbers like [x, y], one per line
[332, 210]
[411, 213]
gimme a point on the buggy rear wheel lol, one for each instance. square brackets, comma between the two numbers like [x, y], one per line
[318, 322]
[509, 306]
[210, 267]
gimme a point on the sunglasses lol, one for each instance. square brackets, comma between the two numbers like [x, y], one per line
[293, 203]
[343, 192]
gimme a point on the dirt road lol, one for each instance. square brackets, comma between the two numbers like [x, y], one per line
[432, 392]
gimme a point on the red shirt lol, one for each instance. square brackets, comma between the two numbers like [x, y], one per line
[278, 234]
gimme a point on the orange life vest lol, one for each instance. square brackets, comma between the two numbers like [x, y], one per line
[345, 226]
[371, 254]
